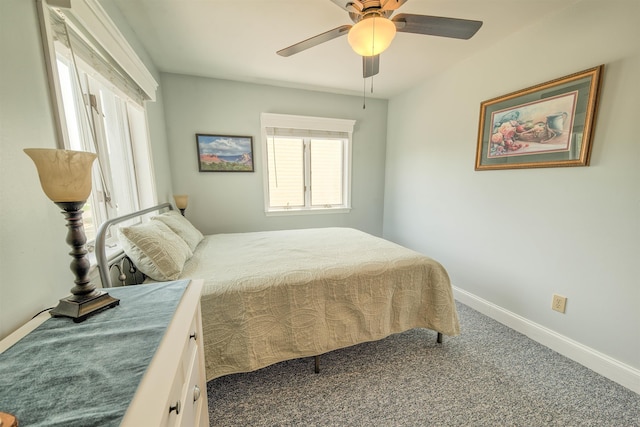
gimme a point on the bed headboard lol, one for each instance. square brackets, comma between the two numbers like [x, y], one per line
[104, 264]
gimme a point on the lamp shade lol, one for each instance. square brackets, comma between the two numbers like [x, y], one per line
[181, 201]
[65, 175]
[371, 36]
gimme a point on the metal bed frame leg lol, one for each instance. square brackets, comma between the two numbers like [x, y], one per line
[317, 358]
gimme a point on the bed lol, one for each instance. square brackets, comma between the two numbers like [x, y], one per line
[278, 295]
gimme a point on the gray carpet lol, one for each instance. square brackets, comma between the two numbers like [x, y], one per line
[489, 375]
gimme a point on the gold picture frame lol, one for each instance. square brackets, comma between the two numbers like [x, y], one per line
[547, 125]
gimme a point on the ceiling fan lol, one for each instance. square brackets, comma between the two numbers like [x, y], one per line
[373, 30]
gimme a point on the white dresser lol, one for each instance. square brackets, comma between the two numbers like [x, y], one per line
[176, 376]
[173, 389]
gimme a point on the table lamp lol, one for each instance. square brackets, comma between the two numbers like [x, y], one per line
[65, 177]
[181, 202]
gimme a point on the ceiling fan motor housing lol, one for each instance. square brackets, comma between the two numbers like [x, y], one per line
[358, 10]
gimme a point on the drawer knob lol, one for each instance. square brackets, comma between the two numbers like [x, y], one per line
[196, 393]
[193, 336]
[176, 408]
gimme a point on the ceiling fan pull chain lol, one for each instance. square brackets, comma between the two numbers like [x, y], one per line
[373, 46]
[364, 94]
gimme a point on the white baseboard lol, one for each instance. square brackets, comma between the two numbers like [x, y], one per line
[604, 365]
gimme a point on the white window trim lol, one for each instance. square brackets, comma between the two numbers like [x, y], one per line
[268, 120]
[90, 15]
[306, 211]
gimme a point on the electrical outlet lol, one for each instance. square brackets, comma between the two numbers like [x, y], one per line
[559, 303]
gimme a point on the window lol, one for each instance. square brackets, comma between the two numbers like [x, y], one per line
[100, 109]
[307, 164]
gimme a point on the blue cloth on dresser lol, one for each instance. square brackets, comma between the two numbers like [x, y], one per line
[85, 374]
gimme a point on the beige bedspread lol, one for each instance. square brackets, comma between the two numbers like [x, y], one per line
[279, 295]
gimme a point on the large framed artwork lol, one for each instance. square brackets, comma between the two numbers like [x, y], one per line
[224, 153]
[547, 125]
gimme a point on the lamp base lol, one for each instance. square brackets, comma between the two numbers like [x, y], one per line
[80, 308]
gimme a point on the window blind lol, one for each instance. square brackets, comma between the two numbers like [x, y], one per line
[286, 171]
[66, 30]
[305, 133]
[326, 172]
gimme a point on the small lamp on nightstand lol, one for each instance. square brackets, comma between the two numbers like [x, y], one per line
[65, 177]
[182, 200]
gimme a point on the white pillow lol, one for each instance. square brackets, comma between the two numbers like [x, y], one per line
[182, 227]
[156, 250]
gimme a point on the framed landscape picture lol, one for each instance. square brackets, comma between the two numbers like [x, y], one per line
[224, 153]
[547, 125]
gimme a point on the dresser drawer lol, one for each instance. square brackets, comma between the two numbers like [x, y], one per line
[188, 392]
[174, 406]
[194, 396]
[193, 341]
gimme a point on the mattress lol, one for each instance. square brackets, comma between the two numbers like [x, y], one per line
[279, 295]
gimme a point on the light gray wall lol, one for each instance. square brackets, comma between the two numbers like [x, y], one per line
[34, 260]
[34, 270]
[234, 202]
[515, 237]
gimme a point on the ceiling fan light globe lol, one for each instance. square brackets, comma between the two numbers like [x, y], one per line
[371, 36]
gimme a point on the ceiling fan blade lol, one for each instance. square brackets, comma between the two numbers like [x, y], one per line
[436, 26]
[314, 41]
[370, 65]
[391, 4]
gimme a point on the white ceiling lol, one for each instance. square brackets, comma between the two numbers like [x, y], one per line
[238, 40]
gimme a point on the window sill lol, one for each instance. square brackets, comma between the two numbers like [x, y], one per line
[317, 211]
